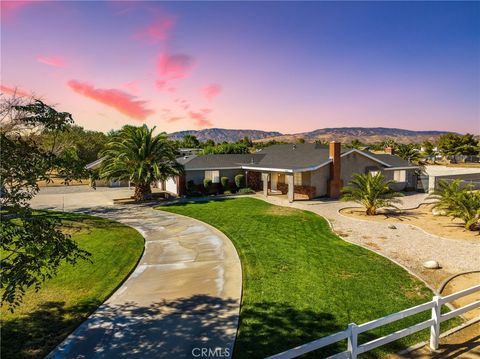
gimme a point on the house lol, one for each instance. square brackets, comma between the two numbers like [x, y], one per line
[308, 170]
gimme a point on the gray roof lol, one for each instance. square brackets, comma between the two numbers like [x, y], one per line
[293, 157]
[219, 161]
[391, 160]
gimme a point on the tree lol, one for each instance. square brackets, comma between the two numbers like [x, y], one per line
[225, 148]
[209, 142]
[371, 191]
[459, 201]
[357, 144]
[33, 245]
[408, 153]
[452, 145]
[429, 150]
[190, 141]
[136, 155]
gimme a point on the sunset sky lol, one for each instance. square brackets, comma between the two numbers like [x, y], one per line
[283, 66]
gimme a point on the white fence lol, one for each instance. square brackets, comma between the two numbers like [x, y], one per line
[351, 333]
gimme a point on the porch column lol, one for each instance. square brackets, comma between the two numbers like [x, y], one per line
[289, 179]
[265, 183]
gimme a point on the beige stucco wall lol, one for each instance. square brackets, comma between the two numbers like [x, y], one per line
[356, 163]
[319, 179]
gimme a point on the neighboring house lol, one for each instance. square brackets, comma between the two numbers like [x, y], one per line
[305, 170]
[431, 175]
[103, 182]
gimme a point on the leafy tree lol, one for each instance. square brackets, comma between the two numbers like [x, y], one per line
[459, 201]
[301, 140]
[390, 142]
[452, 145]
[190, 141]
[371, 191]
[246, 141]
[32, 246]
[209, 142]
[136, 155]
[79, 143]
[357, 144]
[225, 148]
[408, 153]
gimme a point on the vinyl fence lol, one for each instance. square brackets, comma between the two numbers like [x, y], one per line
[351, 333]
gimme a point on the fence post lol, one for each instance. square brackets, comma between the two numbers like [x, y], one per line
[352, 340]
[435, 328]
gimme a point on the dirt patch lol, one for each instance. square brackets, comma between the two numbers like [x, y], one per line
[422, 217]
[460, 283]
[373, 245]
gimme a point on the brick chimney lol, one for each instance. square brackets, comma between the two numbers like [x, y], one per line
[335, 182]
[389, 150]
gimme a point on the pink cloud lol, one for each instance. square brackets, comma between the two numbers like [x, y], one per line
[9, 8]
[211, 91]
[14, 91]
[200, 119]
[206, 110]
[55, 61]
[172, 67]
[157, 31]
[119, 100]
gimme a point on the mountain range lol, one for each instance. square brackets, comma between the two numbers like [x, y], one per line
[342, 134]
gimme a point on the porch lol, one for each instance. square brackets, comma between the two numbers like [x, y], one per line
[293, 185]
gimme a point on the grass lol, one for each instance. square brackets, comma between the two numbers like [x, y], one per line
[46, 317]
[302, 282]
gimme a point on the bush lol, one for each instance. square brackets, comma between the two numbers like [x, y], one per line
[224, 181]
[207, 184]
[246, 191]
[190, 186]
[240, 181]
[227, 193]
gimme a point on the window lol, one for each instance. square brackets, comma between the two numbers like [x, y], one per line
[374, 173]
[297, 178]
[213, 175]
[400, 176]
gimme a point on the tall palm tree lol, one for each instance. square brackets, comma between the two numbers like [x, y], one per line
[136, 155]
[371, 191]
[408, 153]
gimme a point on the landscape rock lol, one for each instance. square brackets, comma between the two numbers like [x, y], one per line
[431, 264]
[391, 226]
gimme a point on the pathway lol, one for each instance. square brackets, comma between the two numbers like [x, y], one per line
[183, 297]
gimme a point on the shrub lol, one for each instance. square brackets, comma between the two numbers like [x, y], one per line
[207, 184]
[240, 181]
[459, 201]
[246, 191]
[224, 181]
[227, 193]
[190, 186]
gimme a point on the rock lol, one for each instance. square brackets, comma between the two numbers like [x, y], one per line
[391, 226]
[431, 265]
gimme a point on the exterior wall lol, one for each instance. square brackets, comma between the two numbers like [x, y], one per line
[410, 179]
[198, 175]
[319, 179]
[471, 178]
[356, 163]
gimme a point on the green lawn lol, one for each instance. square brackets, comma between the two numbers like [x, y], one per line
[46, 317]
[302, 282]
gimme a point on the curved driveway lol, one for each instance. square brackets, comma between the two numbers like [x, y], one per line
[183, 297]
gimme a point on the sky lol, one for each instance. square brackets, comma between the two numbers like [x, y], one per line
[276, 66]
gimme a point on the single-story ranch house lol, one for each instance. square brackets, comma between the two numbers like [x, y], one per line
[298, 170]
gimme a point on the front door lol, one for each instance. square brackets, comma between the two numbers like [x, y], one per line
[273, 181]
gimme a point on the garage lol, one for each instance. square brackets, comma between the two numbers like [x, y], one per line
[171, 185]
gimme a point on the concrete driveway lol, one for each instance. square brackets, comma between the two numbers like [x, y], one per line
[183, 298]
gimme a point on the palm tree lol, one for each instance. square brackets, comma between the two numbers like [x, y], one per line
[136, 155]
[408, 153]
[459, 201]
[371, 191]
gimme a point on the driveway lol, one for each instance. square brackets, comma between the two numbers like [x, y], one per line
[183, 298]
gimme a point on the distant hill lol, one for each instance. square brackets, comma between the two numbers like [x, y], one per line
[363, 134]
[220, 135]
[342, 134]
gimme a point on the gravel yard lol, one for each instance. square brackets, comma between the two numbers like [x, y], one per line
[408, 245]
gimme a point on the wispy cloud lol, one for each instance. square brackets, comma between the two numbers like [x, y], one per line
[174, 66]
[157, 31]
[14, 91]
[10, 8]
[211, 91]
[55, 61]
[119, 100]
[174, 119]
[200, 119]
